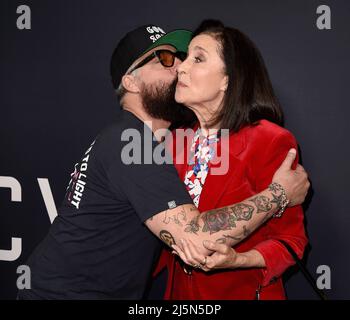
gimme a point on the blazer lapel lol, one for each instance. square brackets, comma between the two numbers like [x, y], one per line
[216, 184]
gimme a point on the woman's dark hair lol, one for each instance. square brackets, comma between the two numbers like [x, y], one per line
[249, 96]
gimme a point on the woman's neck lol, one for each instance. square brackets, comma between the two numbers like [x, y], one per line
[205, 118]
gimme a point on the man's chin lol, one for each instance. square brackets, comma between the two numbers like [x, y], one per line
[159, 102]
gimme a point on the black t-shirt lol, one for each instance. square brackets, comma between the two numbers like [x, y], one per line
[98, 245]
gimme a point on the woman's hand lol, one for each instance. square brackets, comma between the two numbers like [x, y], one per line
[223, 257]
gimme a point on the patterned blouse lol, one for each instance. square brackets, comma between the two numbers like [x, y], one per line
[201, 152]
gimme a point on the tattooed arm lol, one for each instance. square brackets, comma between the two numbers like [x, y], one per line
[232, 223]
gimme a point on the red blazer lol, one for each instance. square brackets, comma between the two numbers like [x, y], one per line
[255, 154]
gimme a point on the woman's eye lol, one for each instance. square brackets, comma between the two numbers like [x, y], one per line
[197, 59]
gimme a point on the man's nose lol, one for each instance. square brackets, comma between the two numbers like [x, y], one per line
[177, 62]
[180, 67]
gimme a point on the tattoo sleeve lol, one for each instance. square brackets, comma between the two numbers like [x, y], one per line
[262, 203]
[226, 218]
[177, 218]
[243, 217]
[193, 226]
[229, 225]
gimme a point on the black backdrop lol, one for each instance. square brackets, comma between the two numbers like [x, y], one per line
[56, 96]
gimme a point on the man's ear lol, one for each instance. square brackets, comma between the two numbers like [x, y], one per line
[130, 83]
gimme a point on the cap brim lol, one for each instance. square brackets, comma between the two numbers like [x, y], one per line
[179, 39]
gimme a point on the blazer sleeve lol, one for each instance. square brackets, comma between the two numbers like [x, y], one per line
[162, 263]
[289, 227]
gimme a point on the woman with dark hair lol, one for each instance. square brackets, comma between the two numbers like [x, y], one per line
[224, 81]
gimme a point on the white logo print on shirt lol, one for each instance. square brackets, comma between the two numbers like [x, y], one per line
[78, 180]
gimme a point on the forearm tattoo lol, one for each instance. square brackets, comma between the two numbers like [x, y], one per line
[193, 226]
[167, 237]
[177, 218]
[218, 220]
[277, 199]
[262, 203]
[242, 212]
[277, 193]
[225, 218]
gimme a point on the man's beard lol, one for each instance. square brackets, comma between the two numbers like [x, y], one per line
[159, 102]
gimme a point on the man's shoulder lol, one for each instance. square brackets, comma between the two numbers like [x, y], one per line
[122, 122]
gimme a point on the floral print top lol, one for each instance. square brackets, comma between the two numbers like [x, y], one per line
[201, 152]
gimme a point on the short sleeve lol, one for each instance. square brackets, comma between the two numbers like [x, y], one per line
[150, 188]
